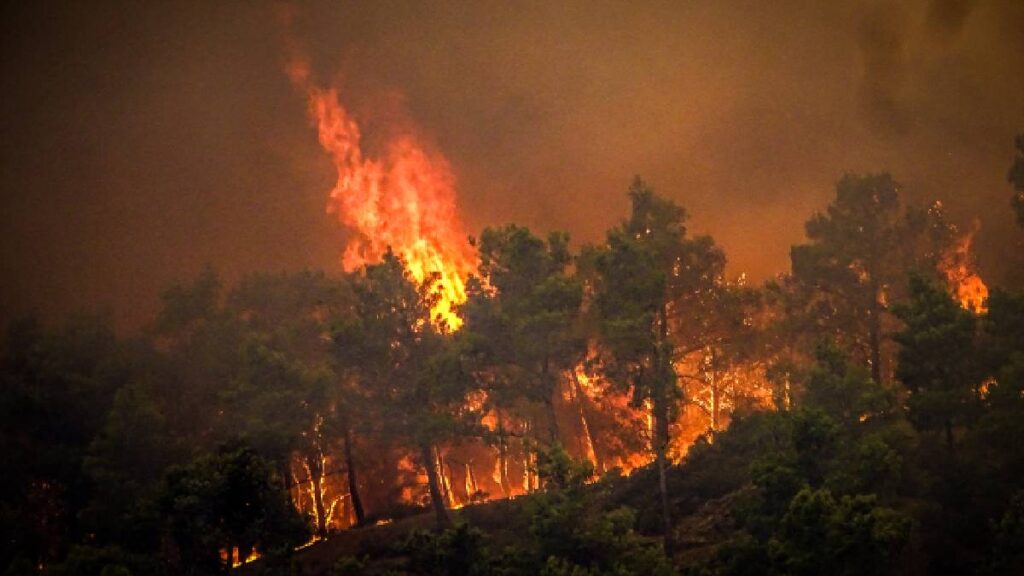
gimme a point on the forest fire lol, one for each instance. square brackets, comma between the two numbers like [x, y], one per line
[958, 267]
[404, 200]
[333, 288]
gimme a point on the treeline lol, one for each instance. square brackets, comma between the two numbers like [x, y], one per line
[876, 408]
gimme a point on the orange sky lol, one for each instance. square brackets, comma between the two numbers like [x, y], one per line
[142, 141]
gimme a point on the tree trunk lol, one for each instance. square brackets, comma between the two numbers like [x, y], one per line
[660, 408]
[876, 352]
[506, 486]
[551, 389]
[549, 405]
[472, 488]
[530, 480]
[949, 435]
[315, 471]
[875, 331]
[660, 441]
[436, 500]
[714, 406]
[444, 478]
[244, 551]
[353, 484]
[587, 437]
[284, 469]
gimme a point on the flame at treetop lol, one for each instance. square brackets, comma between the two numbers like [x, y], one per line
[968, 288]
[404, 199]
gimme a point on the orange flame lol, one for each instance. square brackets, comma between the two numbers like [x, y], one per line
[404, 199]
[957, 265]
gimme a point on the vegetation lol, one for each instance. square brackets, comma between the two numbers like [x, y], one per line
[851, 417]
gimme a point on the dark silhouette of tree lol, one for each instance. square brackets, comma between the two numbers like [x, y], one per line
[223, 501]
[937, 359]
[521, 327]
[844, 391]
[57, 387]
[647, 269]
[1000, 456]
[409, 369]
[846, 280]
[848, 270]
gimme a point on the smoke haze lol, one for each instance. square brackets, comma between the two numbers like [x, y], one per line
[143, 141]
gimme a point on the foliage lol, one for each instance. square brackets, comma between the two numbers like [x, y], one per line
[226, 500]
[937, 359]
[894, 446]
[57, 389]
[458, 551]
[845, 281]
[522, 317]
[570, 532]
[410, 372]
[646, 276]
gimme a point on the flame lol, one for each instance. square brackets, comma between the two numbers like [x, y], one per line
[582, 380]
[404, 199]
[957, 265]
[402, 196]
[237, 560]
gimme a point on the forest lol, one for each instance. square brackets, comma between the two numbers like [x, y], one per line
[624, 408]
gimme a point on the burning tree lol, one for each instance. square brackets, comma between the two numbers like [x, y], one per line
[409, 368]
[521, 321]
[852, 263]
[713, 327]
[646, 269]
[845, 281]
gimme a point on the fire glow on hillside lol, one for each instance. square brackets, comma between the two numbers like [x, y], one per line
[401, 195]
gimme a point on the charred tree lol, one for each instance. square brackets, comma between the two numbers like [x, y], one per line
[434, 486]
[353, 481]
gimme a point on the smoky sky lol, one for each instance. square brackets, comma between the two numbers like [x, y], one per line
[142, 141]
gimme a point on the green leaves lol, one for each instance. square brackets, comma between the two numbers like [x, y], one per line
[224, 500]
[937, 358]
[854, 267]
[523, 328]
[847, 536]
[631, 293]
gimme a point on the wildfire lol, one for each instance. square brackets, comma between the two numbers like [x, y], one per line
[402, 195]
[967, 286]
[403, 199]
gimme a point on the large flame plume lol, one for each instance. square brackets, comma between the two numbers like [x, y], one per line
[401, 195]
[404, 199]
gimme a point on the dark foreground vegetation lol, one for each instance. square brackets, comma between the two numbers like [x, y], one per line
[880, 429]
